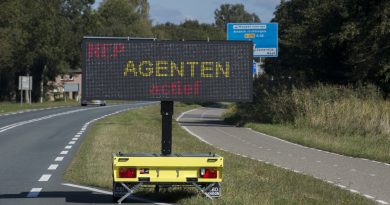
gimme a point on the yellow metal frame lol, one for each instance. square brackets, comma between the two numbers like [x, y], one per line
[168, 169]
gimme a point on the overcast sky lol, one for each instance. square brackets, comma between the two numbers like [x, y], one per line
[176, 11]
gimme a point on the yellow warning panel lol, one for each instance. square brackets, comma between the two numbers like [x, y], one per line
[184, 168]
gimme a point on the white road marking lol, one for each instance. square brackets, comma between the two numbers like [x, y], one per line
[352, 170]
[381, 202]
[330, 182]
[80, 133]
[354, 191]
[45, 178]
[373, 175]
[34, 192]
[260, 147]
[53, 167]
[64, 152]
[68, 147]
[77, 135]
[59, 159]
[318, 161]
[341, 186]
[72, 142]
[75, 139]
[368, 196]
[110, 193]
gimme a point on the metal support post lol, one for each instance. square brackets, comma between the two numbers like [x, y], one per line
[166, 139]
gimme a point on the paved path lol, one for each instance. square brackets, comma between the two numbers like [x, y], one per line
[35, 149]
[369, 178]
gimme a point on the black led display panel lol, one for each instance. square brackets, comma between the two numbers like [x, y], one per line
[141, 69]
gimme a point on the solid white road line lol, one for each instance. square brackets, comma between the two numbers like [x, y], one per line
[45, 178]
[34, 192]
[53, 167]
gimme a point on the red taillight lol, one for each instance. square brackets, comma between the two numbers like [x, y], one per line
[127, 172]
[208, 173]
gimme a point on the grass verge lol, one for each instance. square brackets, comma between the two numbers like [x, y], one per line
[14, 107]
[246, 181]
[376, 148]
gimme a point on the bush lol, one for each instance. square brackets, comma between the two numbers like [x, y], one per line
[360, 110]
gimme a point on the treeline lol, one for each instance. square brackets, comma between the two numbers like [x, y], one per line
[344, 42]
[42, 38]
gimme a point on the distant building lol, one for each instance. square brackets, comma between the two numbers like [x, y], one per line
[57, 87]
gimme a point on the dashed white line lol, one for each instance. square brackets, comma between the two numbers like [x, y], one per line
[318, 161]
[64, 152]
[381, 202]
[341, 186]
[68, 147]
[354, 191]
[352, 170]
[74, 139]
[45, 178]
[59, 159]
[53, 167]
[34, 192]
[77, 135]
[372, 175]
[368, 196]
[72, 142]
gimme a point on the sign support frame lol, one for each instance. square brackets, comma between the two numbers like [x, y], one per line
[166, 129]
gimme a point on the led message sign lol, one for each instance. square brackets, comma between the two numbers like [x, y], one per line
[130, 69]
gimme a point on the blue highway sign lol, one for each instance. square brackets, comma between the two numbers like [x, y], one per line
[263, 35]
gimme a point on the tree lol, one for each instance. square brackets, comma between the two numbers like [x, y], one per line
[236, 13]
[124, 18]
[188, 30]
[336, 42]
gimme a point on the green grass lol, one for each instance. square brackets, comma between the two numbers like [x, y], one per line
[246, 181]
[376, 148]
[6, 107]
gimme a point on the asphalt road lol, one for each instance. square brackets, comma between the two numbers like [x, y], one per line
[37, 146]
[368, 178]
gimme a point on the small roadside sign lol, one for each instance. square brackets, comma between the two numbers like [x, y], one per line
[263, 35]
[254, 67]
[25, 82]
[71, 87]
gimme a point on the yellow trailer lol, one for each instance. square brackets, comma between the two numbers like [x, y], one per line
[131, 171]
